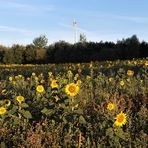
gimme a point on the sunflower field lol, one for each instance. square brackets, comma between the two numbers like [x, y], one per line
[87, 105]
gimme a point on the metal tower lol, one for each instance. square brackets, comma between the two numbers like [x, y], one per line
[75, 30]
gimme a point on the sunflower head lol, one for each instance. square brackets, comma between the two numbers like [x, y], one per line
[7, 102]
[110, 79]
[33, 74]
[130, 72]
[120, 119]
[4, 92]
[54, 84]
[2, 110]
[72, 89]
[146, 63]
[110, 106]
[10, 78]
[122, 83]
[20, 99]
[40, 88]
[79, 82]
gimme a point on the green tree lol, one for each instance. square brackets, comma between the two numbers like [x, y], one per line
[18, 51]
[8, 57]
[30, 54]
[82, 38]
[15, 55]
[2, 51]
[40, 42]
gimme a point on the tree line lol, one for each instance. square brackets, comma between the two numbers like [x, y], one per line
[63, 52]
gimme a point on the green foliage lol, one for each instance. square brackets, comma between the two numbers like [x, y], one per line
[53, 118]
[64, 52]
[15, 55]
[82, 38]
[40, 42]
[30, 54]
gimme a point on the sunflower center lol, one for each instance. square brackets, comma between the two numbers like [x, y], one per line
[120, 118]
[2, 110]
[6, 102]
[110, 106]
[72, 89]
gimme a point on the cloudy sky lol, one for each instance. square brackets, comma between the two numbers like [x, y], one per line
[108, 20]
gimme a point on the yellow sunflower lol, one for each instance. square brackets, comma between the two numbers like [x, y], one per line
[146, 63]
[120, 119]
[72, 89]
[10, 78]
[4, 92]
[54, 84]
[40, 88]
[33, 74]
[110, 79]
[7, 102]
[20, 99]
[110, 106]
[130, 72]
[79, 82]
[2, 110]
[122, 83]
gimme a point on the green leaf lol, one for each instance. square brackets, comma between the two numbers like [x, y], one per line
[79, 111]
[45, 111]
[82, 120]
[26, 114]
[120, 133]
[16, 121]
[13, 110]
[110, 132]
[24, 105]
[64, 120]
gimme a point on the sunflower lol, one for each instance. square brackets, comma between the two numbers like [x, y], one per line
[2, 110]
[122, 83]
[7, 102]
[79, 82]
[110, 106]
[72, 89]
[130, 72]
[49, 74]
[69, 72]
[56, 98]
[20, 99]
[40, 88]
[10, 78]
[120, 119]
[146, 63]
[54, 84]
[110, 79]
[4, 92]
[33, 74]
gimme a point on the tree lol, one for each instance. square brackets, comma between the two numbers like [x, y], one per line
[82, 38]
[9, 57]
[18, 52]
[40, 42]
[30, 54]
[15, 55]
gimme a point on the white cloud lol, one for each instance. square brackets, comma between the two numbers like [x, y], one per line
[14, 30]
[137, 19]
[104, 15]
[28, 8]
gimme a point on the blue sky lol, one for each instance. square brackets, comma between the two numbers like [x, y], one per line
[108, 20]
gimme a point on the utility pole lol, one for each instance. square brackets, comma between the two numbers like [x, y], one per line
[75, 30]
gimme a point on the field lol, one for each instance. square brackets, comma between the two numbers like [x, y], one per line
[97, 105]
